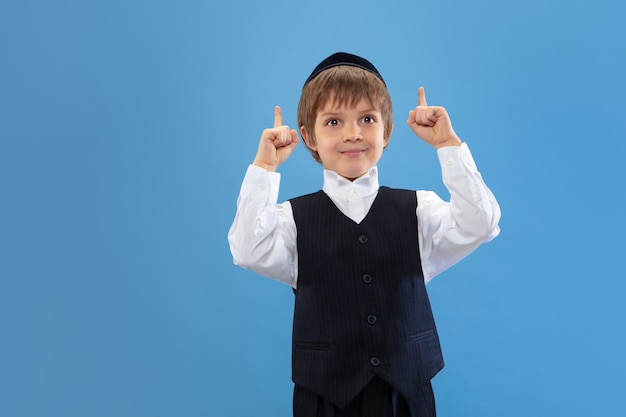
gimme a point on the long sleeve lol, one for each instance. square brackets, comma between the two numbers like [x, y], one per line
[449, 231]
[263, 235]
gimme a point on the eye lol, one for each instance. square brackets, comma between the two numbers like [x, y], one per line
[368, 119]
[332, 122]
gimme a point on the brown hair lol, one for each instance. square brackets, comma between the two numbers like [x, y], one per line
[345, 85]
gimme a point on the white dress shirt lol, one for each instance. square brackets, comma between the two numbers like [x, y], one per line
[263, 235]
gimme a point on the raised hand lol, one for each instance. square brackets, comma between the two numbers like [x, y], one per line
[276, 144]
[432, 123]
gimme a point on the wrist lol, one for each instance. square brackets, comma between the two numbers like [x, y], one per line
[455, 141]
[265, 166]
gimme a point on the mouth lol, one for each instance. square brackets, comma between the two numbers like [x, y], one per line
[353, 152]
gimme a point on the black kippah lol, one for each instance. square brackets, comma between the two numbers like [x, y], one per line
[343, 58]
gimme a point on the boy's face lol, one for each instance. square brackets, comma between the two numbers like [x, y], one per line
[349, 140]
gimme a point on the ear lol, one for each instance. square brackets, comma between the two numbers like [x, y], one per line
[388, 138]
[310, 143]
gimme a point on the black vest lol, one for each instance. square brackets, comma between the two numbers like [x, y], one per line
[361, 307]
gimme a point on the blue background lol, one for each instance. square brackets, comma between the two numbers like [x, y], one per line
[125, 131]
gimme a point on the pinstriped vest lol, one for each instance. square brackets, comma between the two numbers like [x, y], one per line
[361, 306]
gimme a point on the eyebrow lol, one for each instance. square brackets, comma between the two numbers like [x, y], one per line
[337, 113]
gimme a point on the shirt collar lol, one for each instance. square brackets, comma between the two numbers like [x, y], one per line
[337, 186]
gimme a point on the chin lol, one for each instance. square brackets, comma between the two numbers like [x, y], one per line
[353, 175]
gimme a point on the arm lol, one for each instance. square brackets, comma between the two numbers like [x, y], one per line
[263, 235]
[449, 231]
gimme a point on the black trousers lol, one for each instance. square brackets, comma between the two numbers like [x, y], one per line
[378, 399]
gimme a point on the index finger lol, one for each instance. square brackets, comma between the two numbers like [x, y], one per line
[421, 97]
[278, 117]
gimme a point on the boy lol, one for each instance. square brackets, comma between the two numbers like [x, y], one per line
[358, 255]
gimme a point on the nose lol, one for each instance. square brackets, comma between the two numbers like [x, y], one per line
[352, 132]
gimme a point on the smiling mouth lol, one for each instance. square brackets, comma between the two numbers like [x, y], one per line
[353, 152]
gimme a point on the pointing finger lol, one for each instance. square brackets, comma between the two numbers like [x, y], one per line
[421, 97]
[278, 117]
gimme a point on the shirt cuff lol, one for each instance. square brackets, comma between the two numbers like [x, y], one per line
[260, 185]
[456, 160]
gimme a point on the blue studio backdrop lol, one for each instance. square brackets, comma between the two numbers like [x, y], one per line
[125, 131]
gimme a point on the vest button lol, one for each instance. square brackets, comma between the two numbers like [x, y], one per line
[371, 319]
[375, 361]
[363, 239]
[367, 278]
